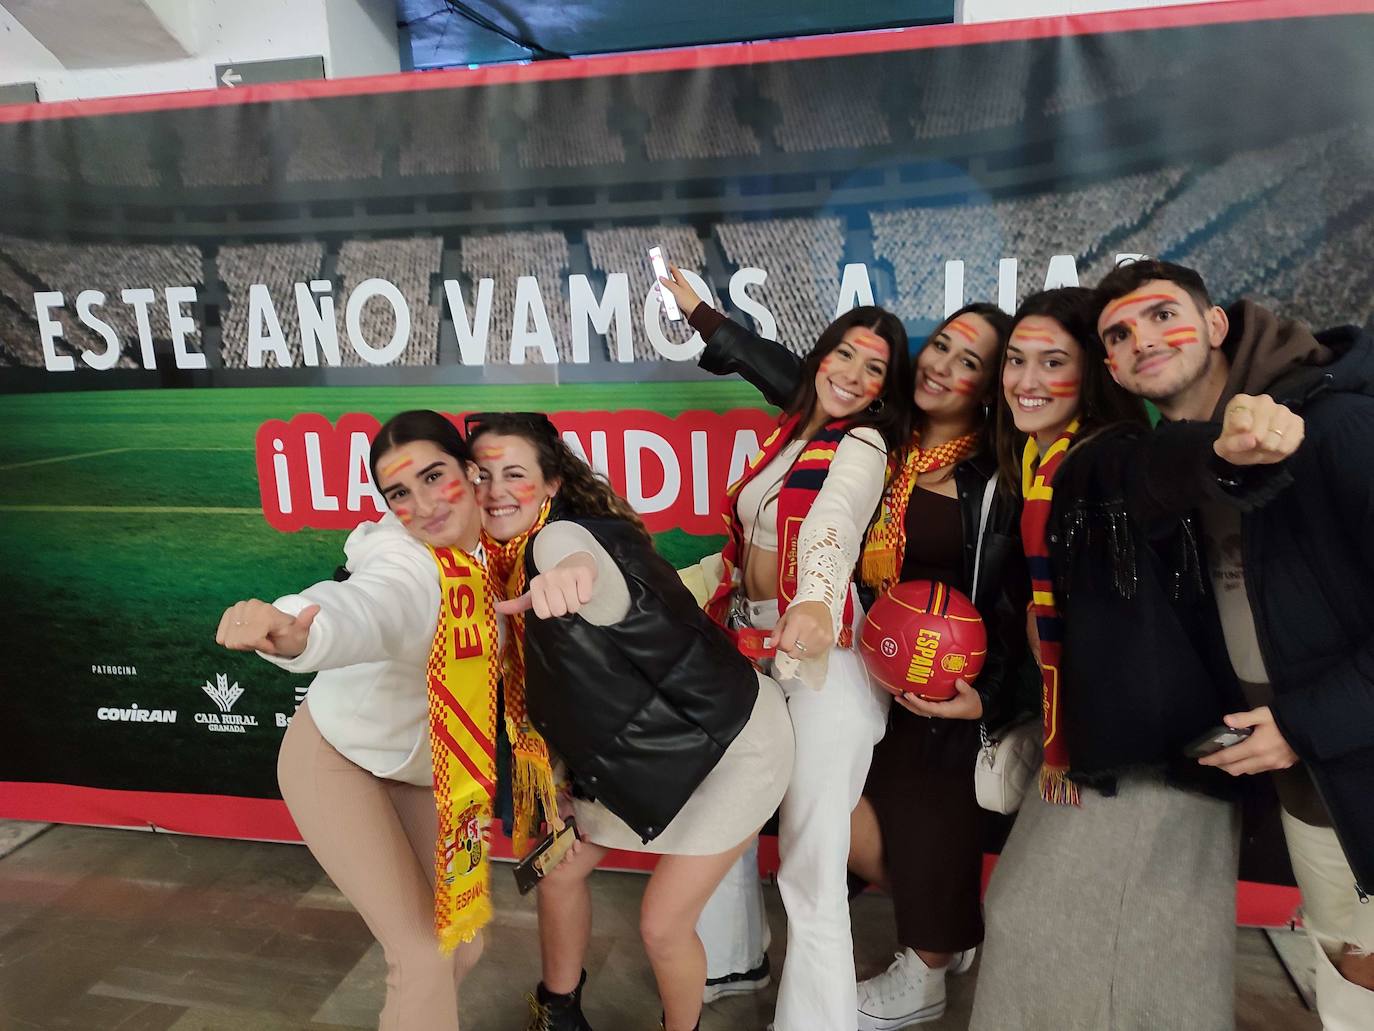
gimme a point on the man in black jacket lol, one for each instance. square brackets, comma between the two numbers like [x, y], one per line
[1293, 579]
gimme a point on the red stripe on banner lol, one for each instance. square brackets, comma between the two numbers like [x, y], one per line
[216, 816]
[438, 730]
[437, 686]
[925, 37]
[266, 819]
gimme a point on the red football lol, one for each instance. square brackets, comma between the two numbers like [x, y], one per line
[920, 637]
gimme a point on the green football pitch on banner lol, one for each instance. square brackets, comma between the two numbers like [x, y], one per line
[132, 518]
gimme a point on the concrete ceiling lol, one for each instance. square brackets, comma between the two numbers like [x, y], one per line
[107, 33]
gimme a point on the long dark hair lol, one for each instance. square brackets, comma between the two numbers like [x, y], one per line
[1101, 403]
[419, 424]
[582, 493]
[892, 416]
[1000, 322]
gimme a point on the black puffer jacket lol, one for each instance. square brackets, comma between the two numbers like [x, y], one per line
[642, 710]
[1309, 570]
[1003, 587]
[1145, 669]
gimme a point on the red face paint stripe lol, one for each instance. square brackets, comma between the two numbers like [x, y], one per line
[964, 387]
[1133, 299]
[963, 329]
[1033, 334]
[869, 342]
[396, 467]
[1063, 391]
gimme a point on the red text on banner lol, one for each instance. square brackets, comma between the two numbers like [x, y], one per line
[313, 473]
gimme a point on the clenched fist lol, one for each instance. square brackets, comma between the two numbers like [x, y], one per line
[1257, 430]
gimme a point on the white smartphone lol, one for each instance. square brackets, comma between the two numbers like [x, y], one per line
[670, 307]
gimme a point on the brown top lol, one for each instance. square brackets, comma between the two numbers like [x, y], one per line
[1222, 531]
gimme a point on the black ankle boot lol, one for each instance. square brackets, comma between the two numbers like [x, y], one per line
[551, 1012]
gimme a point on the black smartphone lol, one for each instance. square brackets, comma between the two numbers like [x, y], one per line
[1215, 740]
[545, 856]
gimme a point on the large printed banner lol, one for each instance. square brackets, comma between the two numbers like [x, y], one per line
[209, 301]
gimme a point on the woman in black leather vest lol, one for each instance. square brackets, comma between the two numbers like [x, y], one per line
[671, 742]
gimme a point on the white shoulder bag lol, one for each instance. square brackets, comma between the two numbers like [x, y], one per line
[1009, 757]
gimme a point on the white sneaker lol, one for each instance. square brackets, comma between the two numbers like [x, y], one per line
[962, 962]
[907, 992]
[737, 984]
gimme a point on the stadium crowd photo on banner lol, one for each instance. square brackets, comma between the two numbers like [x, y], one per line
[811, 517]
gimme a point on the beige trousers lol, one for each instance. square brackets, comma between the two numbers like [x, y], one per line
[375, 839]
[1333, 915]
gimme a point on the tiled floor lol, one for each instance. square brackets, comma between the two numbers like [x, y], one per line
[130, 931]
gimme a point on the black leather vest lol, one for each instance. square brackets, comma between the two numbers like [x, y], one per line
[642, 710]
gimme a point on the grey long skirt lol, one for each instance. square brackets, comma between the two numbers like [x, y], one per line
[1117, 915]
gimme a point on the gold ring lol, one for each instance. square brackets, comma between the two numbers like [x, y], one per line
[800, 646]
[1278, 431]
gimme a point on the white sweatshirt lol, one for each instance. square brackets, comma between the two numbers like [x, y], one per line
[370, 644]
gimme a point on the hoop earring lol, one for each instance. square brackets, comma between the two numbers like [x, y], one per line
[876, 406]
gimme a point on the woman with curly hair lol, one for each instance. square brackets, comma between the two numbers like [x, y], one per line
[671, 743]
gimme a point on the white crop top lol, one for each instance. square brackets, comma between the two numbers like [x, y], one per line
[832, 533]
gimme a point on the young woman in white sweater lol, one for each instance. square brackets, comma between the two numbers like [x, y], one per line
[356, 766]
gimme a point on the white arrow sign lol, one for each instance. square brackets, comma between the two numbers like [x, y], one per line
[231, 78]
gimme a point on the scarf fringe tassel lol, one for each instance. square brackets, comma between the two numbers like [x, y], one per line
[1056, 788]
[878, 568]
[465, 929]
[531, 783]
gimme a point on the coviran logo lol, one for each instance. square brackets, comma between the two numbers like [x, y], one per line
[135, 714]
[923, 656]
[224, 695]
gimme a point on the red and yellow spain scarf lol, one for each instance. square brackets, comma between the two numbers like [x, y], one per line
[881, 563]
[798, 492]
[463, 674]
[532, 780]
[1037, 487]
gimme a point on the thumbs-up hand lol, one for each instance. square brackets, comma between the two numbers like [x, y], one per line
[1257, 430]
[254, 625]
